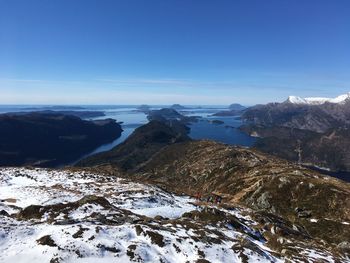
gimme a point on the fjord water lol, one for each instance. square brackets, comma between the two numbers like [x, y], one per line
[131, 118]
[225, 132]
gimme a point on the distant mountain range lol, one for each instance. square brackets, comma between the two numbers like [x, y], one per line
[85, 114]
[318, 101]
[236, 106]
[314, 130]
[308, 114]
[233, 110]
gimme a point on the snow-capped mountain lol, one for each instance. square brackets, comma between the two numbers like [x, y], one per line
[318, 100]
[322, 126]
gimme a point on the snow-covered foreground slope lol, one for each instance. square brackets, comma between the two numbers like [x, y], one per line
[62, 216]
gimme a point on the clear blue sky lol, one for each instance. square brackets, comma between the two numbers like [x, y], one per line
[172, 51]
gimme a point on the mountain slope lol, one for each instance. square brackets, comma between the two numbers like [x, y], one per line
[281, 194]
[314, 118]
[301, 114]
[258, 181]
[210, 166]
[50, 139]
[80, 216]
[328, 150]
[249, 178]
[320, 131]
[139, 147]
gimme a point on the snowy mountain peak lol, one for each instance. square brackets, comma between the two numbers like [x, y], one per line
[318, 100]
[296, 100]
[342, 98]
